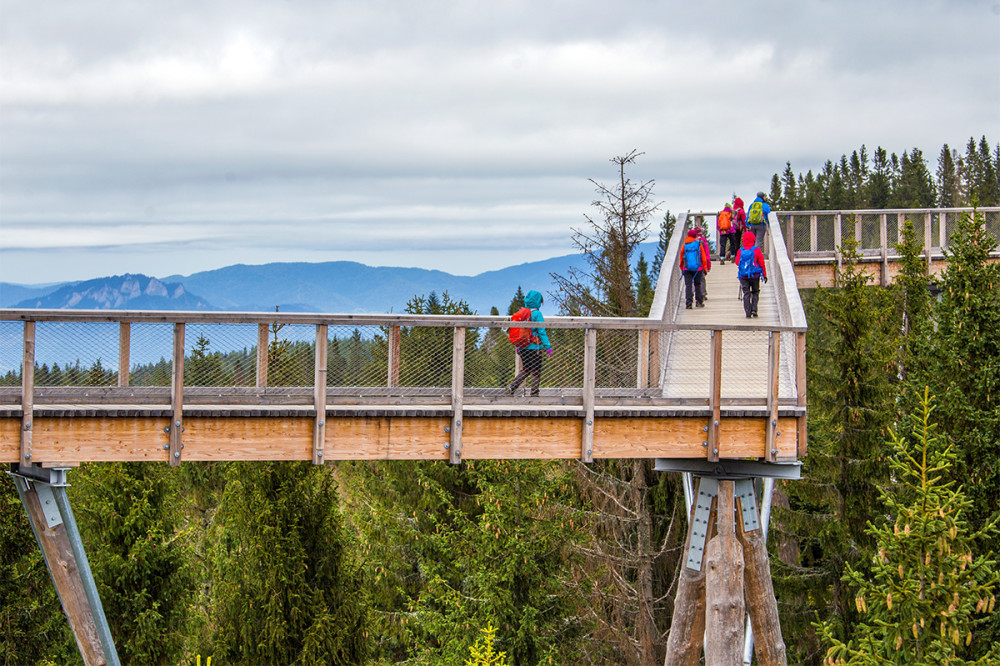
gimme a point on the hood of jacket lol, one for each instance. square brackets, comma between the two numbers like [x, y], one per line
[738, 202]
[749, 238]
[533, 300]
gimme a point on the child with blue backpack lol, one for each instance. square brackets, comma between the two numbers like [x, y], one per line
[695, 262]
[750, 260]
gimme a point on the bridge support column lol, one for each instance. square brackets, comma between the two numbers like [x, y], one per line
[726, 579]
[43, 494]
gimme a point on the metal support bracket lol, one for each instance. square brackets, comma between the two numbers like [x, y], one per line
[747, 496]
[708, 489]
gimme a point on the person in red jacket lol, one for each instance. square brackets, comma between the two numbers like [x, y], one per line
[740, 222]
[750, 260]
[695, 262]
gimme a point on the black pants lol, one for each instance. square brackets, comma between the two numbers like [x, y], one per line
[729, 239]
[751, 293]
[694, 287]
[531, 364]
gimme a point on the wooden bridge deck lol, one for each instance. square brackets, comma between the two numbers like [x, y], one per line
[703, 384]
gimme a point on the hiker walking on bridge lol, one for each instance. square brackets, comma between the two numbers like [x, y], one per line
[751, 269]
[695, 262]
[531, 354]
[757, 218]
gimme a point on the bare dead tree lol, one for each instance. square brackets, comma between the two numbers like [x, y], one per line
[621, 222]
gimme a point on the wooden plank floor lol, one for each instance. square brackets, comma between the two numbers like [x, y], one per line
[744, 353]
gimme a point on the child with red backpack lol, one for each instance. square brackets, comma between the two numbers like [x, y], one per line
[725, 225]
[751, 270]
[530, 346]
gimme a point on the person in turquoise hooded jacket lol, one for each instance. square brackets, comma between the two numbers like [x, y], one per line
[531, 356]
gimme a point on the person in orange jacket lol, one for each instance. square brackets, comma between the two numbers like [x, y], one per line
[695, 262]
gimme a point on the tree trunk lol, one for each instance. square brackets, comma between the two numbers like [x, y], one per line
[687, 626]
[759, 590]
[724, 606]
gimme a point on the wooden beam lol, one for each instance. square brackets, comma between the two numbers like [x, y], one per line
[759, 596]
[392, 379]
[124, 352]
[801, 393]
[838, 240]
[724, 604]
[263, 343]
[687, 625]
[715, 396]
[319, 394]
[65, 572]
[813, 234]
[457, 394]
[589, 382]
[27, 392]
[127, 438]
[928, 227]
[177, 396]
[883, 234]
[642, 360]
[773, 381]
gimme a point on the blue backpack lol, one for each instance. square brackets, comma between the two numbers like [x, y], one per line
[748, 264]
[692, 255]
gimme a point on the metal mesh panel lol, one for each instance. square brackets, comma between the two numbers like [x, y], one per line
[425, 356]
[11, 352]
[76, 354]
[685, 371]
[220, 354]
[617, 357]
[357, 356]
[291, 355]
[151, 354]
[489, 358]
[802, 237]
[824, 233]
[744, 364]
[871, 236]
[565, 367]
[993, 224]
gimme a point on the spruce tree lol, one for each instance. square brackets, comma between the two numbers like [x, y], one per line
[918, 599]
[286, 587]
[947, 179]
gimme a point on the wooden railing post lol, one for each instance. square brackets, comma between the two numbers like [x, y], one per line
[27, 391]
[942, 231]
[589, 383]
[642, 360]
[773, 362]
[883, 236]
[457, 394]
[813, 233]
[715, 395]
[837, 240]
[262, 348]
[791, 239]
[177, 395]
[124, 352]
[392, 379]
[319, 394]
[928, 230]
[800, 391]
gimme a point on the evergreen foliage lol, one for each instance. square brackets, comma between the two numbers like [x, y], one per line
[286, 588]
[129, 515]
[917, 603]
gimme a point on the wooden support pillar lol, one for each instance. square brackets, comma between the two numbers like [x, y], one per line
[800, 391]
[589, 383]
[27, 391]
[124, 352]
[724, 604]
[642, 360]
[687, 626]
[319, 394]
[773, 382]
[457, 395]
[392, 379]
[715, 396]
[262, 348]
[177, 396]
[883, 235]
[759, 595]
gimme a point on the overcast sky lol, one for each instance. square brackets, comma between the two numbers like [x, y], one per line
[173, 137]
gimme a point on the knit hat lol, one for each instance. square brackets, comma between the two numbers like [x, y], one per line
[693, 233]
[761, 196]
[749, 238]
[727, 207]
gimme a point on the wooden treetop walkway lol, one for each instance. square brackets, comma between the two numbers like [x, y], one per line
[703, 384]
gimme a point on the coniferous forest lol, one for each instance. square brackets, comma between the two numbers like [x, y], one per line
[885, 552]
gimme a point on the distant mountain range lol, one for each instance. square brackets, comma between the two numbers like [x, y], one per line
[338, 286]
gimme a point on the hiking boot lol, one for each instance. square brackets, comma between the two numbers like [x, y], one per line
[701, 305]
[511, 389]
[534, 393]
[754, 314]
[688, 306]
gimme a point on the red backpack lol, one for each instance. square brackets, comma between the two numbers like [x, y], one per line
[521, 337]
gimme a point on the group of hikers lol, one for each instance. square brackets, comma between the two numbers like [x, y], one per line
[741, 239]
